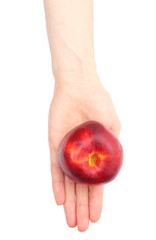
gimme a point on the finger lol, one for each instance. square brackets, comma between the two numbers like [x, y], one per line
[95, 202]
[57, 179]
[115, 127]
[70, 202]
[115, 130]
[82, 206]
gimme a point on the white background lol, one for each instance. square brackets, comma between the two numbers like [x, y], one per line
[125, 48]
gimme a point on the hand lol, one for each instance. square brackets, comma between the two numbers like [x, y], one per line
[74, 103]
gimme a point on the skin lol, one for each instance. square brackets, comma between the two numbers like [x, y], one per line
[78, 96]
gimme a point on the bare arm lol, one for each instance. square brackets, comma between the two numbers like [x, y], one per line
[78, 97]
[70, 33]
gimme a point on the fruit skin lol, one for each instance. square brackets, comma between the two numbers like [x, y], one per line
[90, 154]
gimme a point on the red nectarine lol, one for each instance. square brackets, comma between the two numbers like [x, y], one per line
[90, 153]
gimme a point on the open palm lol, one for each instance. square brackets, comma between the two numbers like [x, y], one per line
[72, 105]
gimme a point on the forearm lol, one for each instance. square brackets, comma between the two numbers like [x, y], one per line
[70, 34]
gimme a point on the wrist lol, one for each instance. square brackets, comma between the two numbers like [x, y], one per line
[84, 72]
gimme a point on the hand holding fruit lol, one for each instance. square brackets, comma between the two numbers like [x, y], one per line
[74, 104]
